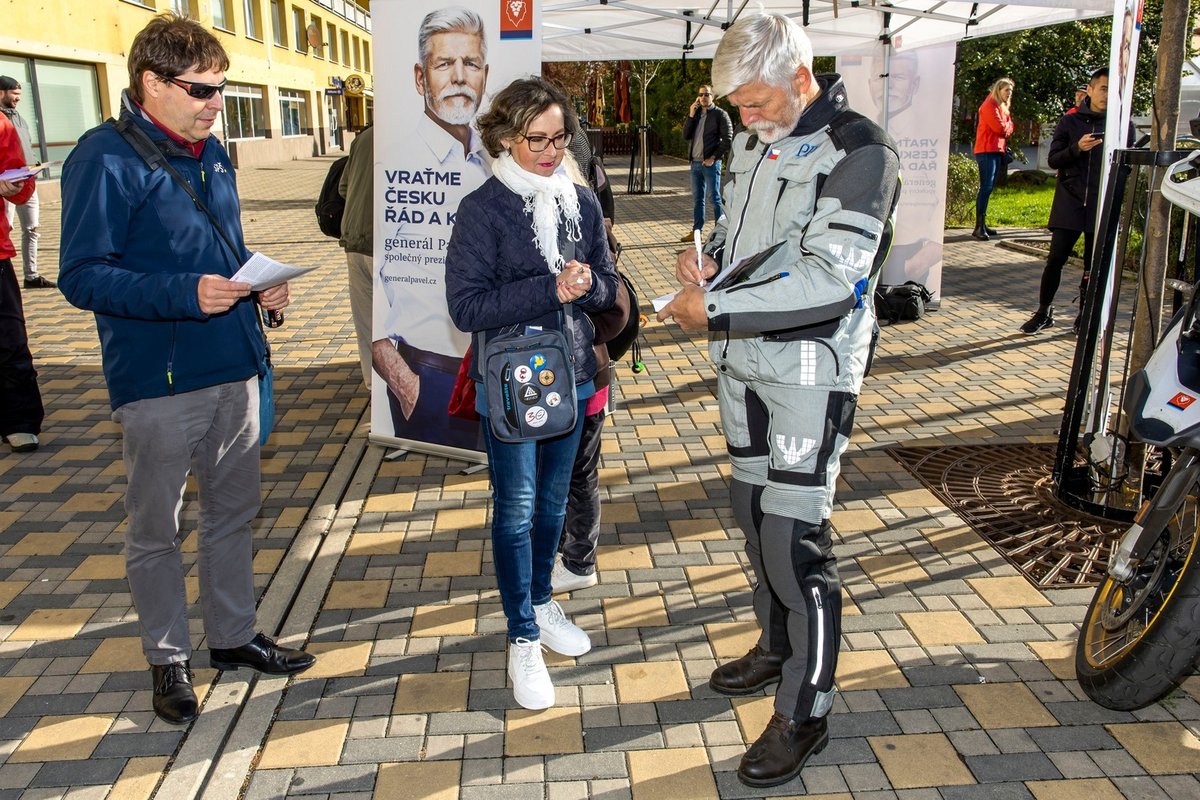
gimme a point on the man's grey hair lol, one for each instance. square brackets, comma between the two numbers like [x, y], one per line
[760, 48]
[453, 19]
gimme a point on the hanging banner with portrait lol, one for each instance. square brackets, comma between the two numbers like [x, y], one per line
[436, 67]
[911, 94]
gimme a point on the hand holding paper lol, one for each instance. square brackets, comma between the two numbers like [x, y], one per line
[262, 272]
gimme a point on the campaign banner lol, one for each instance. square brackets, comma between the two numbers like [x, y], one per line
[910, 93]
[437, 66]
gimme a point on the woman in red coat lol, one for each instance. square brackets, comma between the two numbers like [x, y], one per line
[991, 143]
[21, 410]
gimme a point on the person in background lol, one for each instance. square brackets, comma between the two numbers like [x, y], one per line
[1077, 152]
[182, 349]
[709, 134]
[1080, 93]
[508, 266]
[357, 186]
[27, 213]
[991, 144]
[790, 345]
[21, 410]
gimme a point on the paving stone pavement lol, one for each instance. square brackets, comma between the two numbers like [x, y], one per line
[383, 568]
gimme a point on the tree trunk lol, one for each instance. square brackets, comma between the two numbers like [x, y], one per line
[1171, 47]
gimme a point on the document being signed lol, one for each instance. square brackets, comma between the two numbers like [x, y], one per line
[263, 272]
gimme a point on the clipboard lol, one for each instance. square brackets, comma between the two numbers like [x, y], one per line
[743, 269]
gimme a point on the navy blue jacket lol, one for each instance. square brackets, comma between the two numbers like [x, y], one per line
[496, 276]
[133, 249]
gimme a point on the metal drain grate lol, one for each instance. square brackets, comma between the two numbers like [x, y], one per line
[1004, 492]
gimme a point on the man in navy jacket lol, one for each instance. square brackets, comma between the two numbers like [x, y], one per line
[182, 351]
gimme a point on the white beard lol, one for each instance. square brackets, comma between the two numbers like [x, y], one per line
[774, 131]
[456, 106]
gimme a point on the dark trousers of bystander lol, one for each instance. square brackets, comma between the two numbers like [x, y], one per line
[582, 529]
[1062, 242]
[21, 408]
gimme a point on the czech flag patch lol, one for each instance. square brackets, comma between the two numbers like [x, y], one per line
[1181, 401]
[774, 154]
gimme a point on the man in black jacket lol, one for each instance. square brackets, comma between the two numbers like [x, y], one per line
[709, 134]
[1077, 152]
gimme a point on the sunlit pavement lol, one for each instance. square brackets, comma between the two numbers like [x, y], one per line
[956, 673]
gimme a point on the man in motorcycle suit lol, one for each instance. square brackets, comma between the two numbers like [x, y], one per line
[791, 344]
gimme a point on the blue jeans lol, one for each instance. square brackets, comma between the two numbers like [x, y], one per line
[706, 181]
[989, 167]
[530, 481]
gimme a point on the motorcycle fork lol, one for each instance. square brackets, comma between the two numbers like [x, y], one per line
[1155, 516]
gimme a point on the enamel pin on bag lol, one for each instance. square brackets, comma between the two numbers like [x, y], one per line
[529, 382]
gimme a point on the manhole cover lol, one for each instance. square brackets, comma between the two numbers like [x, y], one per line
[1006, 495]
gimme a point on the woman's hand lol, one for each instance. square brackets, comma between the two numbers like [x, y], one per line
[573, 282]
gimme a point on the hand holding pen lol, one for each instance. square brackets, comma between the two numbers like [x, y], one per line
[699, 255]
[693, 268]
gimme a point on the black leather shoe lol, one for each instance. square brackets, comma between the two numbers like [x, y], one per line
[782, 751]
[748, 674]
[991, 231]
[980, 235]
[39, 282]
[261, 654]
[174, 698]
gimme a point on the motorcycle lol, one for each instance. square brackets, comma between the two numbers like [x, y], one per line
[1141, 634]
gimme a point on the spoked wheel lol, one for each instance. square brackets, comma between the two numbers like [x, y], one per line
[1142, 636]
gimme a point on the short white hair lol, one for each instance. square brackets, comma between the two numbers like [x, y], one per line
[452, 19]
[760, 48]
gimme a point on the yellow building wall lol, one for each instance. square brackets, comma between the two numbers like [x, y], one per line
[99, 32]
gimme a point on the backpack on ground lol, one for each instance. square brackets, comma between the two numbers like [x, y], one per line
[902, 303]
[330, 203]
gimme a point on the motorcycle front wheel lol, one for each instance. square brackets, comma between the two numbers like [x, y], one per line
[1142, 636]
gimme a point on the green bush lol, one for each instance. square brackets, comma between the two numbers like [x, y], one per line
[962, 186]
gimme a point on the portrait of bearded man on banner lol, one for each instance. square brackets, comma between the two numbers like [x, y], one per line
[418, 350]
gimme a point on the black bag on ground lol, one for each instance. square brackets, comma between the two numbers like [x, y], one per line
[330, 203]
[902, 303]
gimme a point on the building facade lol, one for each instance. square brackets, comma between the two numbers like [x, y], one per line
[299, 78]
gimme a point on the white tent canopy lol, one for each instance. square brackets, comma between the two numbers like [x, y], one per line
[606, 30]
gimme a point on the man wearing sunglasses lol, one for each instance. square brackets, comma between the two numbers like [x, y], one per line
[709, 134]
[182, 349]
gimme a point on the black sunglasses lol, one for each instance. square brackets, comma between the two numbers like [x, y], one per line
[200, 91]
[706, 94]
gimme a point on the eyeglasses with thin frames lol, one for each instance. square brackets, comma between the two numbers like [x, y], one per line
[196, 89]
[539, 143]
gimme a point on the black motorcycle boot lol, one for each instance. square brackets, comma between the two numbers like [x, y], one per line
[782, 750]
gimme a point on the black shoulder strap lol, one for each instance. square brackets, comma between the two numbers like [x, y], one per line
[149, 152]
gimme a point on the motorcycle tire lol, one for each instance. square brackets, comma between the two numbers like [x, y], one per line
[1141, 637]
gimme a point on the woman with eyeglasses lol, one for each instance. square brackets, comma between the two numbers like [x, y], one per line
[525, 243]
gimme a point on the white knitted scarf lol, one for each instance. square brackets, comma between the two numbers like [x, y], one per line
[546, 200]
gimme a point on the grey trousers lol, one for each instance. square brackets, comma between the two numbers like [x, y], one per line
[212, 433]
[361, 269]
[29, 214]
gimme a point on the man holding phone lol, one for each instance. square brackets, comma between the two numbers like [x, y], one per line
[709, 134]
[1077, 152]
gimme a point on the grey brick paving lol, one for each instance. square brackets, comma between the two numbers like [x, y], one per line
[949, 353]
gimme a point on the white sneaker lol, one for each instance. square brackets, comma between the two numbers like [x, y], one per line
[527, 671]
[563, 580]
[559, 633]
[22, 442]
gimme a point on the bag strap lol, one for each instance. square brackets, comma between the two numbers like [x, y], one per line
[144, 146]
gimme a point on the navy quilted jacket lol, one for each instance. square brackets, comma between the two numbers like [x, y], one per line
[496, 277]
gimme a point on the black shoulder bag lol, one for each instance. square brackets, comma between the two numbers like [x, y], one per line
[529, 378]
